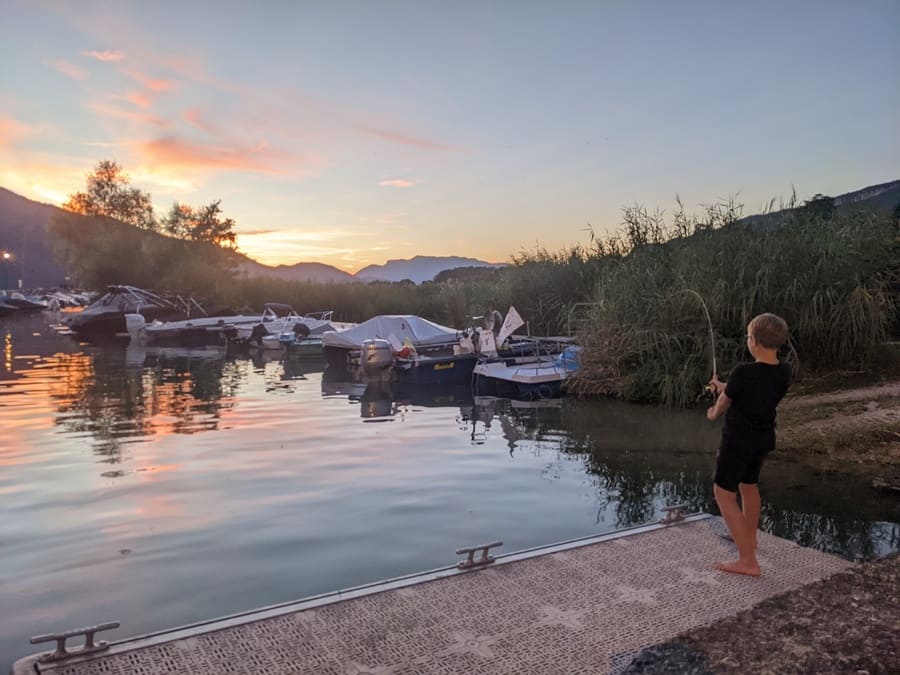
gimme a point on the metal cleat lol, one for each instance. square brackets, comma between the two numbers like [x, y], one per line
[88, 647]
[470, 562]
[674, 514]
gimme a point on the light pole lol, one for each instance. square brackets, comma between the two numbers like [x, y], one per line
[6, 257]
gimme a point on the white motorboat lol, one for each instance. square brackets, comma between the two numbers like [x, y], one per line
[280, 327]
[527, 377]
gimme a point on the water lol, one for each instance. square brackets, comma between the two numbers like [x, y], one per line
[162, 488]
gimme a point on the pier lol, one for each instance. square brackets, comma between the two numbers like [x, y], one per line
[583, 606]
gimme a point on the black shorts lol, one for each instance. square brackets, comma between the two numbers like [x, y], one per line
[739, 463]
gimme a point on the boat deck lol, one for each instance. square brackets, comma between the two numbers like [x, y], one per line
[585, 606]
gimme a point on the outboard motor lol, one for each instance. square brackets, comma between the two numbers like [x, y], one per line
[301, 330]
[134, 326]
[258, 333]
[375, 357]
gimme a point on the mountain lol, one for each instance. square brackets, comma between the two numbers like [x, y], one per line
[418, 269]
[23, 233]
[304, 271]
[881, 198]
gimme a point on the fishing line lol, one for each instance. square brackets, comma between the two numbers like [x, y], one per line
[712, 336]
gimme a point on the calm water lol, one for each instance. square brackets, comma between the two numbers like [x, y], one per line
[162, 488]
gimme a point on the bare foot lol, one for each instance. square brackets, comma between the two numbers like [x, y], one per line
[738, 567]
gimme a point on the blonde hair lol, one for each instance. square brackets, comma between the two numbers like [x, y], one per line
[769, 330]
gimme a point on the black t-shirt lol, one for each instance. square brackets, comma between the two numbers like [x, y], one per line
[755, 389]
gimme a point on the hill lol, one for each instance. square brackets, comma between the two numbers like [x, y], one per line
[23, 233]
[418, 269]
[881, 198]
[303, 271]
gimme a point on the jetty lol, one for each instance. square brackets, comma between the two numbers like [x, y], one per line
[583, 606]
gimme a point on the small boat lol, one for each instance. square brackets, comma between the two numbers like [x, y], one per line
[7, 310]
[527, 377]
[199, 331]
[20, 302]
[416, 352]
[105, 319]
[282, 328]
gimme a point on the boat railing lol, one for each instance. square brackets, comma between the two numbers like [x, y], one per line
[320, 316]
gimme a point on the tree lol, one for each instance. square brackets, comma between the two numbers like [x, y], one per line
[202, 224]
[109, 193]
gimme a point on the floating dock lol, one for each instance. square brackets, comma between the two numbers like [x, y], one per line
[583, 606]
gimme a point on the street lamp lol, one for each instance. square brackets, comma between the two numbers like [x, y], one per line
[7, 259]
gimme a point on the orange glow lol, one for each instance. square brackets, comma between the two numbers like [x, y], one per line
[140, 99]
[173, 153]
[12, 130]
[153, 84]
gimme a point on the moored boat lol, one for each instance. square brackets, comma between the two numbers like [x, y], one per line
[105, 319]
[527, 377]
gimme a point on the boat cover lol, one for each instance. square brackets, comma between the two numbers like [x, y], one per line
[393, 327]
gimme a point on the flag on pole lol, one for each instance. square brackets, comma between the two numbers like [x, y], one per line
[510, 324]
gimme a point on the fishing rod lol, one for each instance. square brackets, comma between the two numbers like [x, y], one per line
[712, 336]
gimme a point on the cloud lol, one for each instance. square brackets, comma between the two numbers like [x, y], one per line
[194, 117]
[397, 183]
[115, 112]
[140, 99]
[174, 153]
[153, 84]
[68, 69]
[254, 233]
[105, 55]
[12, 130]
[404, 139]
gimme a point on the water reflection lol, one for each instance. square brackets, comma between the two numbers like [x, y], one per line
[259, 464]
[120, 396]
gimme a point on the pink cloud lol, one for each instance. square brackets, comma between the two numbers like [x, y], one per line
[195, 117]
[105, 55]
[404, 139]
[397, 183]
[140, 99]
[68, 69]
[115, 112]
[173, 153]
[153, 84]
[12, 130]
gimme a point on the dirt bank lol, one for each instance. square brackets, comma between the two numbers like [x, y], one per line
[848, 623]
[856, 428]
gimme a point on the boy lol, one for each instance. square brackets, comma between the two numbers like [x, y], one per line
[749, 398]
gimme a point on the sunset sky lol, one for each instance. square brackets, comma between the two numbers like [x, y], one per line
[353, 132]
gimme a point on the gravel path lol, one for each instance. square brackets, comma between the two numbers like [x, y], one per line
[848, 623]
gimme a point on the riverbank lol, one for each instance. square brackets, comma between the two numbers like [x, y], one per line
[847, 623]
[849, 430]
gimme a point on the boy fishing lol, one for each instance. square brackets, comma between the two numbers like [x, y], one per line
[748, 400]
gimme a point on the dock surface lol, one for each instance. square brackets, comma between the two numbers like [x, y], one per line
[587, 606]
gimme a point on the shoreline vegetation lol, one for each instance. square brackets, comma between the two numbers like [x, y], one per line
[636, 299]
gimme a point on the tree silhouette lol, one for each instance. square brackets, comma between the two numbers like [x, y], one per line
[109, 193]
[202, 224]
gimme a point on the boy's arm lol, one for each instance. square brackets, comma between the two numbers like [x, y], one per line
[723, 403]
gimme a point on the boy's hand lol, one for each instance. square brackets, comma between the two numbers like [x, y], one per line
[716, 385]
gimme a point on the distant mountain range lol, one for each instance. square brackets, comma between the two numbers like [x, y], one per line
[23, 232]
[418, 269]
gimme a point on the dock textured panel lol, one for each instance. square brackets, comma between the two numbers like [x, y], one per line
[583, 610]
